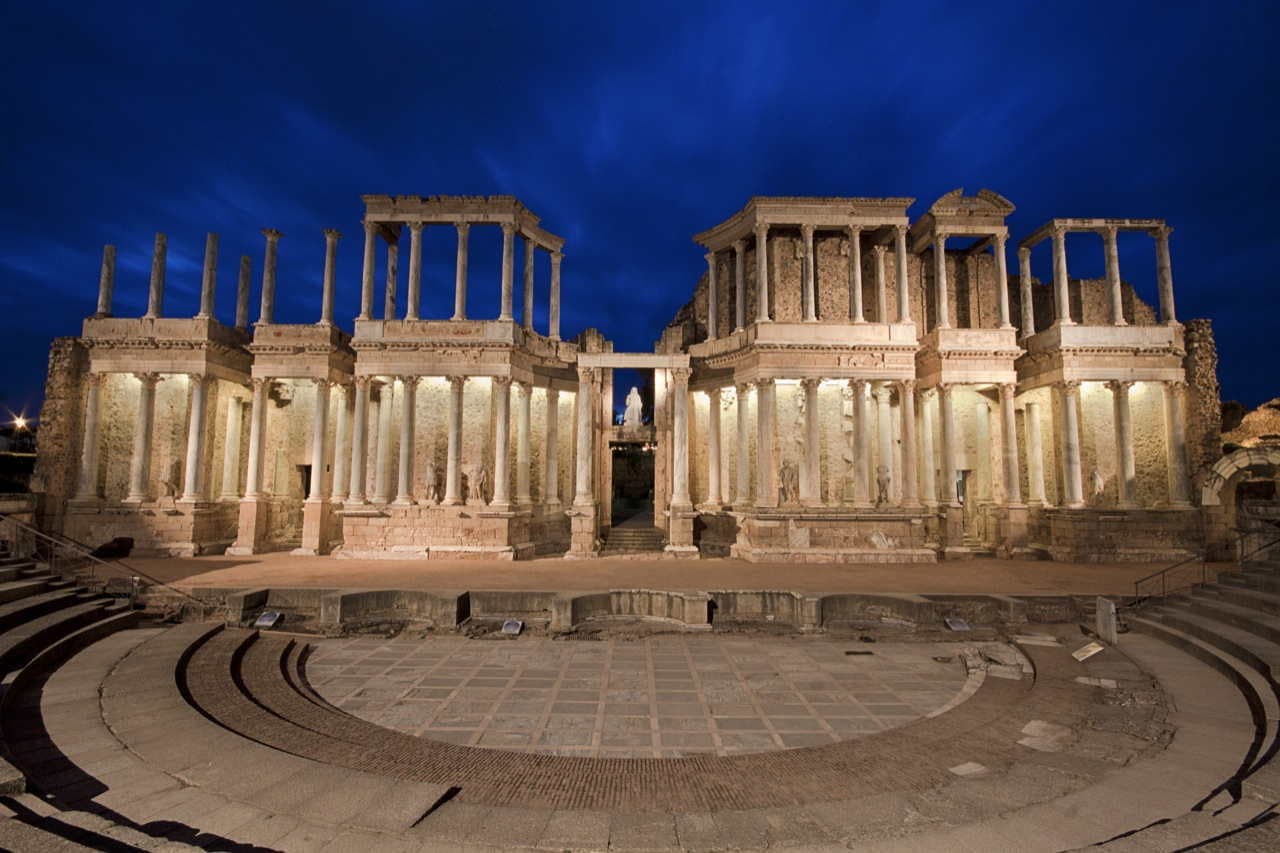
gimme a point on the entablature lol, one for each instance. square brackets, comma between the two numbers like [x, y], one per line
[825, 213]
[1095, 225]
[455, 209]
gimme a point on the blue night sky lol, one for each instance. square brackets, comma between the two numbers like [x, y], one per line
[627, 128]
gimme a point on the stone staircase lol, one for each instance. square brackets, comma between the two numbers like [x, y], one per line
[633, 541]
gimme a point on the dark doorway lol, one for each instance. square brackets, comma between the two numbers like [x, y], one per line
[632, 484]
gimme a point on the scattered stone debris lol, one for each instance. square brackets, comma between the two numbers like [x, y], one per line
[1034, 639]
[1046, 737]
[1087, 651]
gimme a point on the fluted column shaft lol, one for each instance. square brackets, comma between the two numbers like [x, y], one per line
[413, 299]
[904, 291]
[766, 429]
[242, 292]
[680, 438]
[946, 413]
[460, 273]
[382, 464]
[910, 468]
[810, 296]
[713, 304]
[191, 490]
[393, 278]
[583, 491]
[551, 458]
[740, 284]
[762, 273]
[930, 463]
[1126, 468]
[1177, 442]
[884, 432]
[882, 291]
[87, 485]
[1009, 428]
[106, 281]
[1073, 487]
[1028, 298]
[811, 484]
[1112, 249]
[861, 487]
[524, 400]
[942, 299]
[857, 313]
[341, 449]
[502, 442]
[453, 462]
[404, 482]
[209, 279]
[155, 293]
[742, 496]
[1002, 279]
[1035, 454]
[231, 451]
[359, 440]
[1164, 275]
[526, 317]
[553, 320]
[331, 236]
[1061, 283]
[319, 436]
[366, 280]
[508, 268]
[257, 426]
[267, 307]
[713, 446]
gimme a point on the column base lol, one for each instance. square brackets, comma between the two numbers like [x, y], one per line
[583, 542]
[404, 501]
[252, 528]
[317, 528]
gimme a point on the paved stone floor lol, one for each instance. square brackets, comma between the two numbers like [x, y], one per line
[660, 696]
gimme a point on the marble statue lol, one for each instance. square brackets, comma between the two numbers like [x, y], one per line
[882, 485]
[477, 480]
[432, 482]
[789, 480]
[632, 417]
[1099, 485]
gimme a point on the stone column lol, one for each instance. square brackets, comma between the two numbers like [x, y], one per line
[231, 451]
[1028, 298]
[524, 399]
[942, 300]
[713, 447]
[740, 284]
[907, 411]
[856, 312]
[366, 277]
[1002, 279]
[319, 434]
[1126, 470]
[1164, 275]
[551, 458]
[341, 450]
[947, 415]
[742, 496]
[762, 274]
[404, 482]
[882, 294]
[811, 483]
[257, 426]
[267, 308]
[884, 432]
[1061, 283]
[1074, 482]
[810, 294]
[155, 294]
[712, 303]
[680, 438]
[453, 460]
[331, 236]
[1035, 454]
[927, 404]
[242, 293]
[1174, 394]
[502, 443]
[1009, 426]
[766, 428]
[413, 299]
[1112, 250]
[553, 319]
[526, 317]
[904, 289]
[393, 275]
[382, 464]
[359, 440]
[583, 492]
[508, 264]
[209, 279]
[460, 273]
[106, 281]
[87, 485]
[861, 493]
[191, 489]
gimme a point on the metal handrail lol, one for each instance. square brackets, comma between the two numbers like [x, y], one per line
[1164, 573]
[86, 552]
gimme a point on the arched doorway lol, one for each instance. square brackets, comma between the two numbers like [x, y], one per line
[1241, 499]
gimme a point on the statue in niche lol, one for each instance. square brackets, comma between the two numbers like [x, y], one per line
[789, 482]
[1099, 485]
[477, 481]
[432, 483]
[170, 483]
[882, 486]
[633, 417]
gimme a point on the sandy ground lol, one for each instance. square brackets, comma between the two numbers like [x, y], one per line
[985, 576]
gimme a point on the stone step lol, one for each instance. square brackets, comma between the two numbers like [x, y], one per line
[13, 590]
[1254, 621]
[1264, 581]
[25, 609]
[1254, 599]
[20, 644]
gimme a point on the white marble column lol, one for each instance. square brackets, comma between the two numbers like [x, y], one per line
[740, 284]
[524, 400]
[942, 300]
[810, 293]
[359, 440]
[508, 268]
[713, 447]
[861, 481]
[930, 460]
[884, 434]
[106, 281]
[1126, 470]
[404, 481]
[553, 319]
[393, 277]
[155, 293]
[413, 298]
[501, 443]
[766, 429]
[742, 496]
[1073, 486]
[366, 275]
[713, 304]
[904, 290]
[583, 495]
[1035, 454]
[209, 278]
[1112, 250]
[910, 468]
[811, 482]
[460, 273]
[857, 314]
[1028, 297]
[526, 316]
[1009, 428]
[257, 428]
[382, 459]
[1175, 423]
[551, 458]
[1061, 282]
[231, 451]
[341, 449]
[87, 484]
[267, 307]
[1164, 275]
[882, 291]
[762, 274]
[331, 236]
[680, 438]
[319, 436]
[947, 415]
[192, 479]
[1002, 279]
[242, 293]
[453, 459]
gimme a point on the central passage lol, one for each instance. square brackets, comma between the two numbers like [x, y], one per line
[657, 697]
